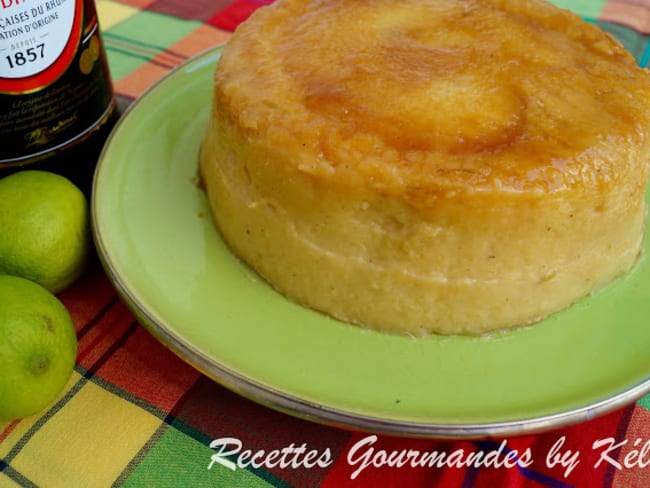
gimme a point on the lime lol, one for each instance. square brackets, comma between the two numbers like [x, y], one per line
[44, 229]
[38, 347]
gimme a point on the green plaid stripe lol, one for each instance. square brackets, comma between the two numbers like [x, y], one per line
[585, 8]
[181, 460]
[145, 37]
[645, 402]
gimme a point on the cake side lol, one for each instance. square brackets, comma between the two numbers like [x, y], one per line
[465, 197]
[371, 259]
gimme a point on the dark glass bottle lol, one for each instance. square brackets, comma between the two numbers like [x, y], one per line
[57, 104]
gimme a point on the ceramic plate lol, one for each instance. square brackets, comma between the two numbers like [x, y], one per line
[159, 246]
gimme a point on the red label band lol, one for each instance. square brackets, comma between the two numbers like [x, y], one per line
[56, 69]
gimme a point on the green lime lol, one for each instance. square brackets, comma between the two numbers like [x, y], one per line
[44, 229]
[38, 347]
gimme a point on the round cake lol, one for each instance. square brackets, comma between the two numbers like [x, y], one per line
[427, 166]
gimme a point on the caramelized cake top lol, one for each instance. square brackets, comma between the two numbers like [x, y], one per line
[425, 98]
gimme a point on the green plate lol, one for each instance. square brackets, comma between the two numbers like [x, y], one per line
[159, 246]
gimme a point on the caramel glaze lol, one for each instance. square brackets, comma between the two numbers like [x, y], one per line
[419, 166]
[502, 102]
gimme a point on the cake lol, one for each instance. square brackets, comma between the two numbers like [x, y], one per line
[427, 166]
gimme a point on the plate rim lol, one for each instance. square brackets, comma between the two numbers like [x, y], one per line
[334, 417]
[305, 409]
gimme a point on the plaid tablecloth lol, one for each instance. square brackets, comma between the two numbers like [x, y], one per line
[135, 415]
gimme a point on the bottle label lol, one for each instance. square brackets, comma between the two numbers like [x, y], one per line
[54, 81]
[39, 41]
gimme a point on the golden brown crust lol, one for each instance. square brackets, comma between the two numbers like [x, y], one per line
[424, 97]
[391, 164]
